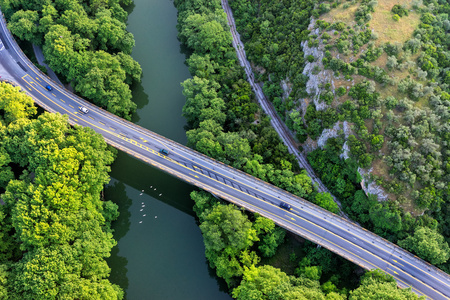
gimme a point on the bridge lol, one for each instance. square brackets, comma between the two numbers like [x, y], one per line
[333, 232]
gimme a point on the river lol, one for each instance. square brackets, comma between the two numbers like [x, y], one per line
[160, 252]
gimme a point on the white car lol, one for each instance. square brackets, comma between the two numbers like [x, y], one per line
[84, 110]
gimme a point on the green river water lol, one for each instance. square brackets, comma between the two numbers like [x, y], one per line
[160, 252]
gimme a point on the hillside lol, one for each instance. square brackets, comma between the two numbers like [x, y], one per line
[364, 87]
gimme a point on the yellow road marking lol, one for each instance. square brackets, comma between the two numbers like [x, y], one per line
[53, 94]
[201, 184]
[38, 79]
[397, 262]
[71, 106]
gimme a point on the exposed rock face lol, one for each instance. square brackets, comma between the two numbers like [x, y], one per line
[287, 89]
[328, 133]
[372, 187]
[323, 76]
[345, 151]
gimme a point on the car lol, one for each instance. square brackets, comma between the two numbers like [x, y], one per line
[48, 87]
[285, 206]
[164, 151]
[84, 110]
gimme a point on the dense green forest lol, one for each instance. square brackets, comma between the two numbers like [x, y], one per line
[85, 42]
[55, 228]
[226, 123]
[394, 95]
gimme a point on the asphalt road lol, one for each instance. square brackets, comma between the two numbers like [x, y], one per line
[268, 108]
[305, 219]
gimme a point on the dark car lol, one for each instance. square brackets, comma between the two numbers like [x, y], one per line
[164, 151]
[285, 206]
[48, 87]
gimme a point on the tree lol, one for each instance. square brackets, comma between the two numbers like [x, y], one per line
[386, 218]
[305, 269]
[3, 281]
[206, 34]
[267, 282]
[202, 101]
[23, 25]
[325, 200]
[227, 233]
[378, 285]
[270, 236]
[428, 244]
[49, 273]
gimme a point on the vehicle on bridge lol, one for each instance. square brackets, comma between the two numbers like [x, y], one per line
[285, 206]
[84, 110]
[164, 151]
[48, 87]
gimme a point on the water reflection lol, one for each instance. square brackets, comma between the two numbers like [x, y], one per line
[121, 226]
[160, 255]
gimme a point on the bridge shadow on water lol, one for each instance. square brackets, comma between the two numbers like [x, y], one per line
[131, 182]
[141, 176]
[128, 171]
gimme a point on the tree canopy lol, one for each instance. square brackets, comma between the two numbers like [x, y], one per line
[86, 43]
[54, 237]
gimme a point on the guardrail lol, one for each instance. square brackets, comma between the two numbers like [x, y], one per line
[256, 181]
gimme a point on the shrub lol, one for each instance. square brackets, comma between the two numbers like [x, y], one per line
[341, 91]
[399, 10]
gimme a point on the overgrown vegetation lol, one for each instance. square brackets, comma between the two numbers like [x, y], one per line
[273, 33]
[394, 96]
[225, 123]
[85, 43]
[55, 228]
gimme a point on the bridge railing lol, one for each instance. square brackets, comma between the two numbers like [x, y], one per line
[201, 156]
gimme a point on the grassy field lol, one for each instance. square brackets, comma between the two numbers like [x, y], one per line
[389, 30]
[382, 22]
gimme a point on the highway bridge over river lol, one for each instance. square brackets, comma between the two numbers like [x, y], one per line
[305, 219]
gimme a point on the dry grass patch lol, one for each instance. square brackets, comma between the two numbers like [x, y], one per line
[341, 15]
[379, 167]
[381, 62]
[389, 30]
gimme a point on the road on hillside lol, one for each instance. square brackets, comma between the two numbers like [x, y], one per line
[305, 219]
[268, 108]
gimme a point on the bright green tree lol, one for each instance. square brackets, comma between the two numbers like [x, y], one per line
[428, 244]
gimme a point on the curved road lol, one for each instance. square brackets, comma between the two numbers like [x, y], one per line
[268, 108]
[305, 219]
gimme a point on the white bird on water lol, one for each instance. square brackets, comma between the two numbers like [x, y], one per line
[156, 217]
[144, 215]
[141, 209]
[143, 205]
[140, 222]
[140, 194]
[160, 194]
[151, 186]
